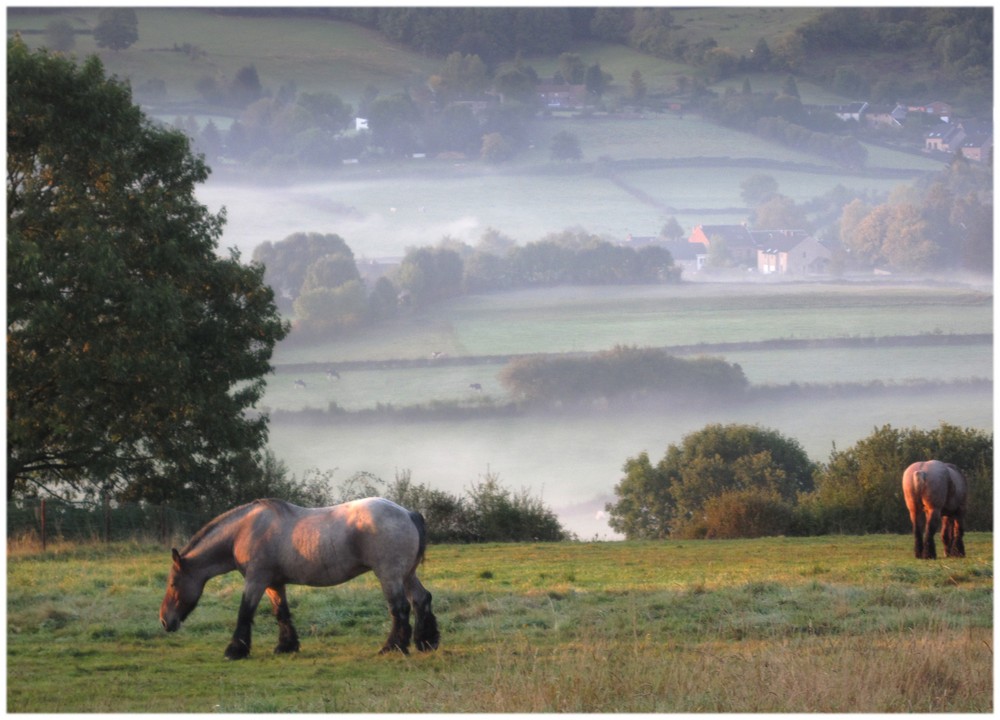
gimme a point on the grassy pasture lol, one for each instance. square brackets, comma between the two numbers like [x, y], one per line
[570, 319]
[319, 55]
[363, 388]
[831, 624]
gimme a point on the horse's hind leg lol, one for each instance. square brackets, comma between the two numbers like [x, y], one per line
[956, 531]
[947, 535]
[917, 517]
[426, 635]
[399, 610]
[288, 639]
[933, 524]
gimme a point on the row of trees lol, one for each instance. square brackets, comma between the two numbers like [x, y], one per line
[781, 117]
[317, 276]
[627, 374]
[736, 480]
[957, 42]
[944, 221]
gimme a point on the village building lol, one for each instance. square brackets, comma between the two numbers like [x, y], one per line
[735, 241]
[562, 96]
[885, 117]
[790, 252]
[769, 252]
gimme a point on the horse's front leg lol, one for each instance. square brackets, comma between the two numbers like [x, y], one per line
[288, 639]
[239, 646]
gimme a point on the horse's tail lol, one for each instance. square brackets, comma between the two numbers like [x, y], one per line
[920, 477]
[418, 520]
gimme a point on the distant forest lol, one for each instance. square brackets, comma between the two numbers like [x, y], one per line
[954, 44]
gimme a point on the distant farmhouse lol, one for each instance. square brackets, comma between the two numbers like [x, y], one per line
[769, 252]
[562, 96]
[973, 138]
[790, 252]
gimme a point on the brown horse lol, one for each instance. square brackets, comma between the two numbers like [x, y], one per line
[936, 495]
[273, 543]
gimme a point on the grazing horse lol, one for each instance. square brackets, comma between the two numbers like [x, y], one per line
[936, 495]
[273, 543]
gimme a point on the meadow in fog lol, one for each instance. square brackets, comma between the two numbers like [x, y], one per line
[573, 459]
[382, 215]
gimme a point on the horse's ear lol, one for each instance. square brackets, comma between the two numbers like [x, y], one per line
[176, 556]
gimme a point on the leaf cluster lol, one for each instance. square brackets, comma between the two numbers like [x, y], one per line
[488, 512]
[728, 481]
[135, 352]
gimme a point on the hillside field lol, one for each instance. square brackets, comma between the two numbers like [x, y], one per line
[382, 208]
[829, 624]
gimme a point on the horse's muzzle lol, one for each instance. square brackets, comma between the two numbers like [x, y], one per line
[171, 625]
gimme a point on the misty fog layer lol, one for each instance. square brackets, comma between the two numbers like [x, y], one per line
[574, 461]
[381, 214]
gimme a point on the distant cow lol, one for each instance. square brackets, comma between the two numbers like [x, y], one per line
[477, 387]
[300, 384]
[936, 494]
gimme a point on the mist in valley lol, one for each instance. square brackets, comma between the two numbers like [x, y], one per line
[573, 460]
[570, 461]
[385, 206]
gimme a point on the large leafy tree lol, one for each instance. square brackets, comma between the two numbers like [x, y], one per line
[136, 352]
[654, 501]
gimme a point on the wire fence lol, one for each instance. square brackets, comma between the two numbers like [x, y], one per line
[45, 520]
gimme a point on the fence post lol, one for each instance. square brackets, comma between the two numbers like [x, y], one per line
[107, 519]
[41, 512]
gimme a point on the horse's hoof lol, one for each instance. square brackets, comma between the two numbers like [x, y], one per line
[237, 652]
[426, 645]
[289, 648]
[393, 648]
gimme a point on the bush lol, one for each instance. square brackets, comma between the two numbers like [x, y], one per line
[489, 512]
[858, 491]
[753, 512]
[625, 372]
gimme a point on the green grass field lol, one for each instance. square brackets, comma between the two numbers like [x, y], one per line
[829, 624]
[571, 319]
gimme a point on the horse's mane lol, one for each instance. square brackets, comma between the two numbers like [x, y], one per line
[226, 517]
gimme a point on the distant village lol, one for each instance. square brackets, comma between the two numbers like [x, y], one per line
[767, 252]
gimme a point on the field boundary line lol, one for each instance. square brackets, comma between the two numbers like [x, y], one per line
[885, 341]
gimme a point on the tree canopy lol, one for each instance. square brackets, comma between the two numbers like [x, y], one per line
[136, 353]
[654, 501]
[117, 28]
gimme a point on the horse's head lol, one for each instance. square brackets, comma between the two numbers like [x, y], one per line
[183, 592]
